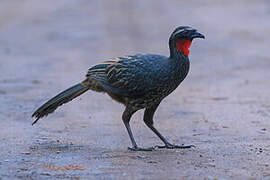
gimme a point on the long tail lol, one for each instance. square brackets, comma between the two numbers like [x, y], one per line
[58, 100]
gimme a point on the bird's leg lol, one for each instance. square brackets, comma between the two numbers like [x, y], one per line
[148, 119]
[126, 118]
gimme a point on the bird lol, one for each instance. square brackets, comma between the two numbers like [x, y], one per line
[139, 81]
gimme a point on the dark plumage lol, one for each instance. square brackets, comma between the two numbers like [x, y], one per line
[138, 81]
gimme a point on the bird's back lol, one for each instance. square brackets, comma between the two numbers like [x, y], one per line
[142, 79]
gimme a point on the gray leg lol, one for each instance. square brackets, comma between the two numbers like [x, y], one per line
[148, 119]
[126, 119]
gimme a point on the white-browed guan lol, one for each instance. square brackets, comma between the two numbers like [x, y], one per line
[140, 81]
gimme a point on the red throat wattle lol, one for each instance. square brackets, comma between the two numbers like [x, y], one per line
[183, 46]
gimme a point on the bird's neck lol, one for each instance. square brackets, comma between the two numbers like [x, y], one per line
[178, 61]
[178, 56]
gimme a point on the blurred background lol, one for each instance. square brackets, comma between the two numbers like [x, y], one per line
[223, 106]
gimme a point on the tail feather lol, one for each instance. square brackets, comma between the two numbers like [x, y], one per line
[64, 97]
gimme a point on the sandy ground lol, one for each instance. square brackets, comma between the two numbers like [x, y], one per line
[223, 106]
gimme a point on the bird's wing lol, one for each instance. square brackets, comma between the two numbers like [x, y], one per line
[131, 76]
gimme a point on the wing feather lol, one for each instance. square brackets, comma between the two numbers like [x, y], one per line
[129, 76]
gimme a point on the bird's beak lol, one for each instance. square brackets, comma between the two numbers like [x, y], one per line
[196, 34]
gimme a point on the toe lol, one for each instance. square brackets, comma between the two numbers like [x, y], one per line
[183, 146]
[173, 146]
[141, 149]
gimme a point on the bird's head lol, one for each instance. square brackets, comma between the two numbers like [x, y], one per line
[181, 39]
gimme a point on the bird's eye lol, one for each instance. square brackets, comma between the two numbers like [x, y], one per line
[185, 32]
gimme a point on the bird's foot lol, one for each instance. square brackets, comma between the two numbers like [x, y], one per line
[174, 146]
[141, 149]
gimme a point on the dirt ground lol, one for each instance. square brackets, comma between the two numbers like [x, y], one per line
[223, 106]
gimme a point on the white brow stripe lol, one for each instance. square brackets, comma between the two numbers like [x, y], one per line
[189, 29]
